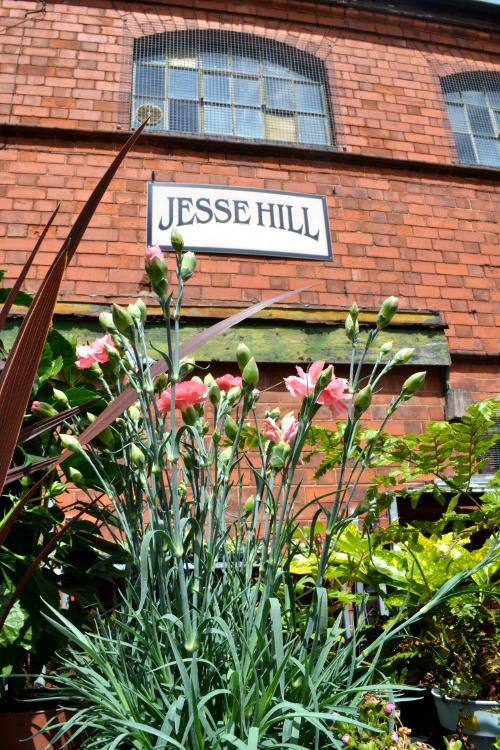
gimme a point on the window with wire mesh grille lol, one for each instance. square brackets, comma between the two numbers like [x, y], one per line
[230, 85]
[493, 455]
[473, 103]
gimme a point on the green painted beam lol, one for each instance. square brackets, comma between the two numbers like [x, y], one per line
[272, 342]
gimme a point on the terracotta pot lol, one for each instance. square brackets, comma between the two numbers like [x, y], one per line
[16, 728]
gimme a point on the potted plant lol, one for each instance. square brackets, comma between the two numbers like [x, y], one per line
[464, 640]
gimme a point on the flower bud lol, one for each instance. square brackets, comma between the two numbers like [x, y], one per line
[186, 367]
[234, 395]
[134, 413]
[106, 321]
[214, 394]
[176, 240]
[95, 369]
[385, 349]
[188, 265]
[60, 397]
[354, 312]
[351, 328]
[113, 355]
[225, 455]
[274, 414]
[402, 356]
[137, 457]
[387, 311]
[189, 416]
[230, 428]
[42, 410]
[278, 455]
[134, 311]
[250, 373]
[323, 380]
[413, 384]
[143, 310]
[161, 383]
[157, 270]
[75, 476]
[122, 318]
[363, 400]
[249, 505]
[242, 356]
[70, 443]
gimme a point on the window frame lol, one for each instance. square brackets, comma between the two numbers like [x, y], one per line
[315, 114]
[454, 87]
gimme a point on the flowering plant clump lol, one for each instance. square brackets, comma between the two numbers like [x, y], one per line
[207, 646]
[383, 717]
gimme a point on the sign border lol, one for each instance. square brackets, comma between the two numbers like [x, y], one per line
[239, 251]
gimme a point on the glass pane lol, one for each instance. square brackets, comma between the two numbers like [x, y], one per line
[497, 118]
[181, 61]
[276, 69]
[488, 151]
[218, 120]
[474, 96]
[216, 88]
[183, 84]
[149, 80]
[278, 94]
[494, 98]
[312, 130]
[183, 116]
[280, 128]
[450, 92]
[465, 149]
[309, 98]
[215, 60]
[458, 121]
[248, 123]
[480, 120]
[151, 54]
[244, 64]
[246, 91]
[301, 74]
[144, 108]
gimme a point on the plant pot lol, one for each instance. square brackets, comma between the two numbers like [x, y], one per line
[480, 719]
[19, 730]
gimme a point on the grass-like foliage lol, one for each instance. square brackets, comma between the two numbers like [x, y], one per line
[208, 646]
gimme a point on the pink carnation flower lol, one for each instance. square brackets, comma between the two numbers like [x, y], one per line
[226, 382]
[187, 393]
[286, 434]
[345, 738]
[333, 396]
[87, 354]
[154, 251]
[389, 708]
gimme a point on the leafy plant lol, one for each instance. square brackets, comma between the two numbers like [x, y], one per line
[23, 545]
[206, 648]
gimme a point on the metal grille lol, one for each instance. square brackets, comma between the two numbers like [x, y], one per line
[226, 84]
[471, 100]
[493, 464]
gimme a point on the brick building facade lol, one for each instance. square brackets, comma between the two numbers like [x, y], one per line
[409, 170]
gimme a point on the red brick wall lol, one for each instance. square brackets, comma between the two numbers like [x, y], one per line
[433, 241]
[429, 236]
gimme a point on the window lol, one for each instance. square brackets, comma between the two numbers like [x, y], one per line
[473, 104]
[230, 85]
[493, 454]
